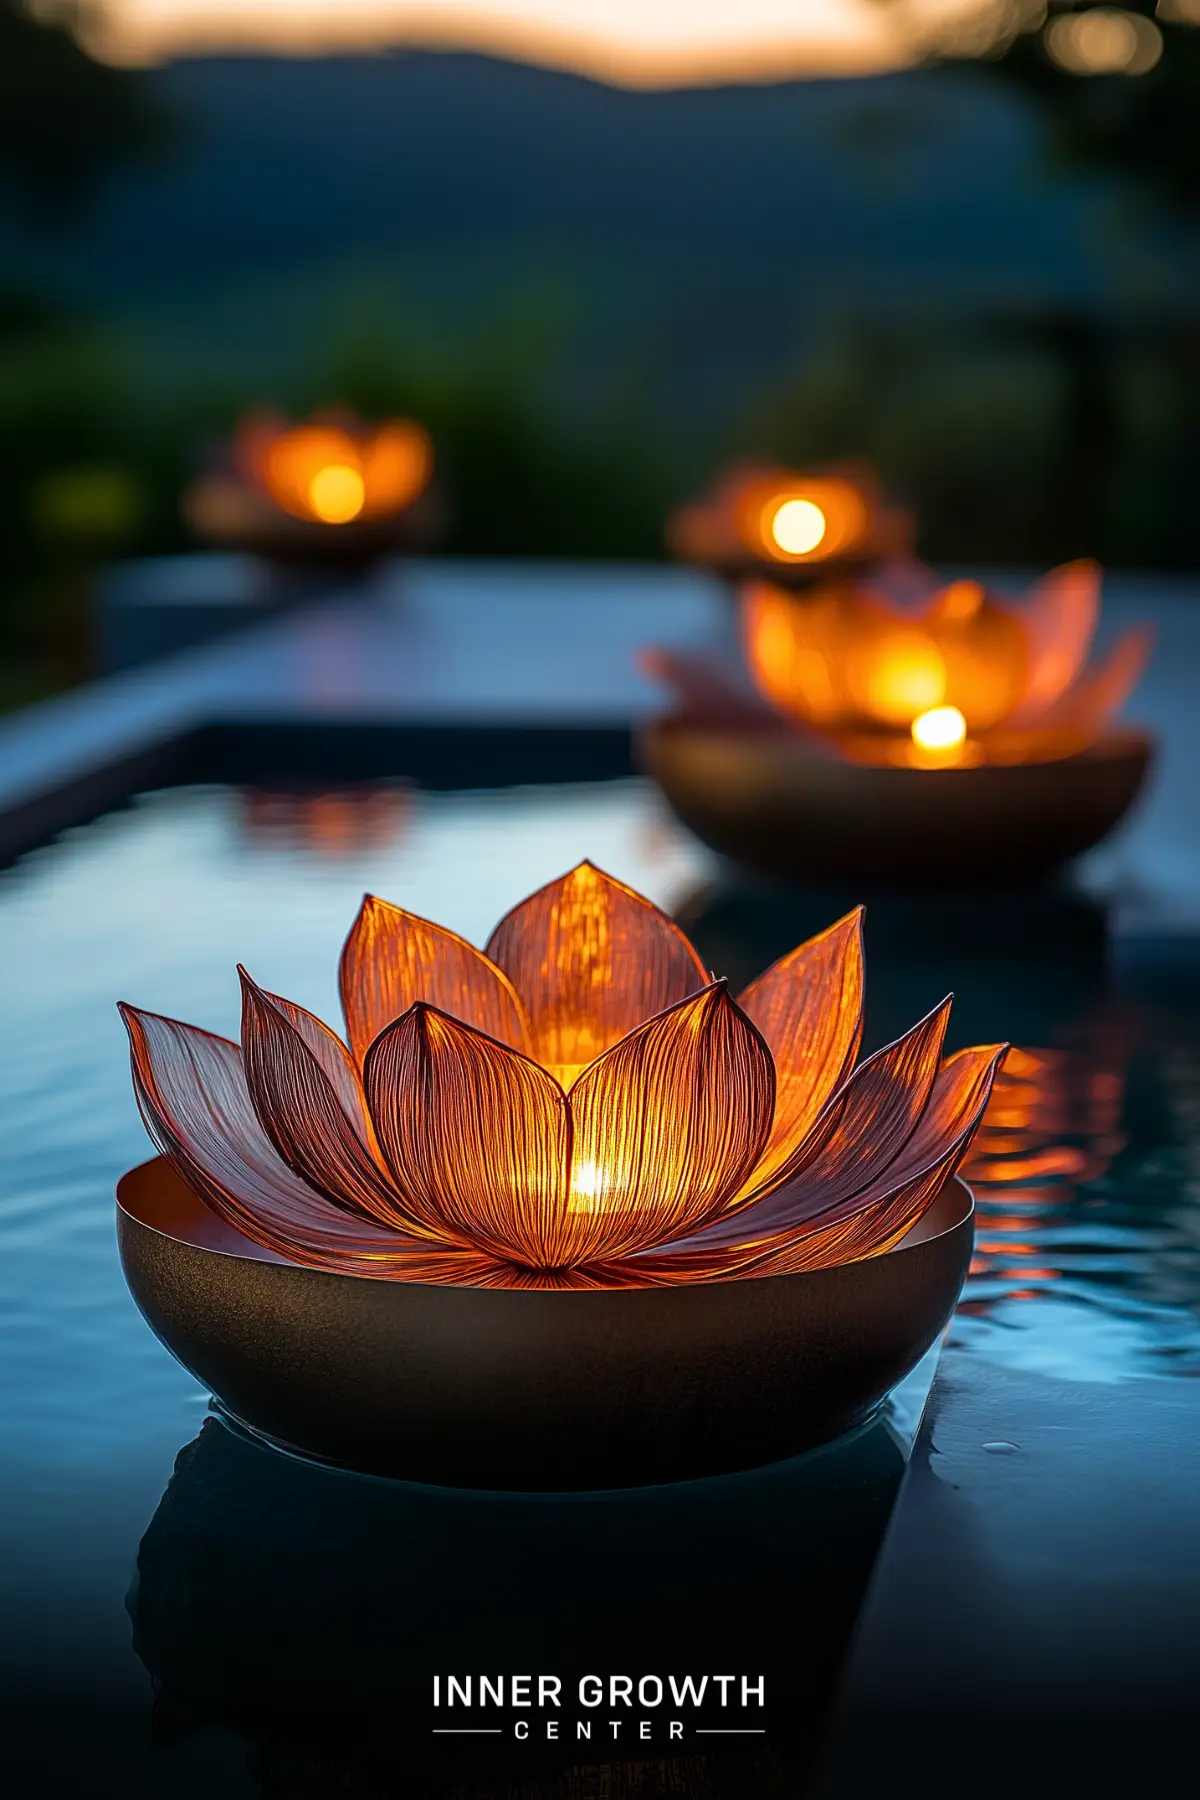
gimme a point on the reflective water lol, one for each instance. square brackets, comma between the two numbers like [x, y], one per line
[259, 1608]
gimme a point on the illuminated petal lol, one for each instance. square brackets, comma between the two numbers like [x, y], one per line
[1081, 715]
[808, 1007]
[856, 1138]
[1059, 615]
[393, 959]
[192, 1093]
[477, 1136]
[794, 654]
[820, 1224]
[314, 1119]
[591, 959]
[667, 1125]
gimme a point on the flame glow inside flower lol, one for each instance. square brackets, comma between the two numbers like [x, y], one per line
[333, 474]
[337, 493]
[847, 662]
[699, 1139]
[796, 526]
[941, 728]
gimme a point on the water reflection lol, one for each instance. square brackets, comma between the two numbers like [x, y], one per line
[1054, 1125]
[328, 821]
[308, 1611]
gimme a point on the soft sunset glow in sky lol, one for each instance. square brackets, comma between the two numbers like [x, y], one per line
[639, 42]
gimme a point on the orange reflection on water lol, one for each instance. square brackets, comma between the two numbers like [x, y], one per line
[329, 822]
[1053, 1123]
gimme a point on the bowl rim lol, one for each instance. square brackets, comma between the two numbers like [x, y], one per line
[955, 1197]
[1122, 742]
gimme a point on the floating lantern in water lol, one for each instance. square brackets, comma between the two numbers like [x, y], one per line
[846, 682]
[593, 1154]
[799, 526]
[331, 487]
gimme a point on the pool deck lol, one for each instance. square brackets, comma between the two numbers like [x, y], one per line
[1035, 1615]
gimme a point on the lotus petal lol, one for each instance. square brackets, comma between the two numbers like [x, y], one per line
[857, 1136]
[477, 1136]
[667, 1124]
[591, 959]
[192, 1093]
[392, 959]
[1059, 615]
[808, 1007]
[314, 1119]
[822, 1225]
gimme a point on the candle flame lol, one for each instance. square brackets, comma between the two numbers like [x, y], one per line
[797, 526]
[337, 494]
[941, 728]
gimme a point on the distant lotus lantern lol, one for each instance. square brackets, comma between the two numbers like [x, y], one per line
[800, 523]
[581, 1106]
[965, 679]
[333, 488]
[334, 474]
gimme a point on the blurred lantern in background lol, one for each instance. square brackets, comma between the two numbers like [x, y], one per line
[966, 679]
[803, 526]
[962, 740]
[332, 487]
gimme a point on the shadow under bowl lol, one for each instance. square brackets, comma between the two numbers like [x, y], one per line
[774, 805]
[533, 1390]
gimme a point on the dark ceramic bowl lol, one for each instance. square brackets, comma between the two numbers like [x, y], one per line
[775, 806]
[801, 577]
[533, 1390]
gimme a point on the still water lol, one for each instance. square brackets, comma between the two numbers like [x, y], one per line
[279, 1631]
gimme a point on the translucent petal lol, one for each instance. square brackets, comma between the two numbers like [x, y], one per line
[477, 1135]
[815, 1230]
[392, 959]
[666, 1126]
[321, 1136]
[1059, 615]
[591, 959]
[859, 1134]
[192, 1092]
[808, 1007]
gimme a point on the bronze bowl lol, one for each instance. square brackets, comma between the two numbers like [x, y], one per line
[773, 804]
[533, 1390]
[739, 566]
[231, 514]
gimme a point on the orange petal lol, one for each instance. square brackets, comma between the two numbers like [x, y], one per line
[667, 1125]
[856, 1137]
[591, 959]
[1059, 616]
[191, 1089]
[392, 959]
[808, 1007]
[322, 1136]
[478, 1136]
[820, 1225]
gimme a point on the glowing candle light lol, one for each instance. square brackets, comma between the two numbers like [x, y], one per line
[941, 728]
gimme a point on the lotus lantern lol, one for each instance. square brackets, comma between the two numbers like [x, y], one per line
[796, 525]
[958, 738]
[582, 1113]
[332, 486]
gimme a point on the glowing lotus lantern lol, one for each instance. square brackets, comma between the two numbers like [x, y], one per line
[827, 768]
[801, 527]
[331, 487]
[571, 1162]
